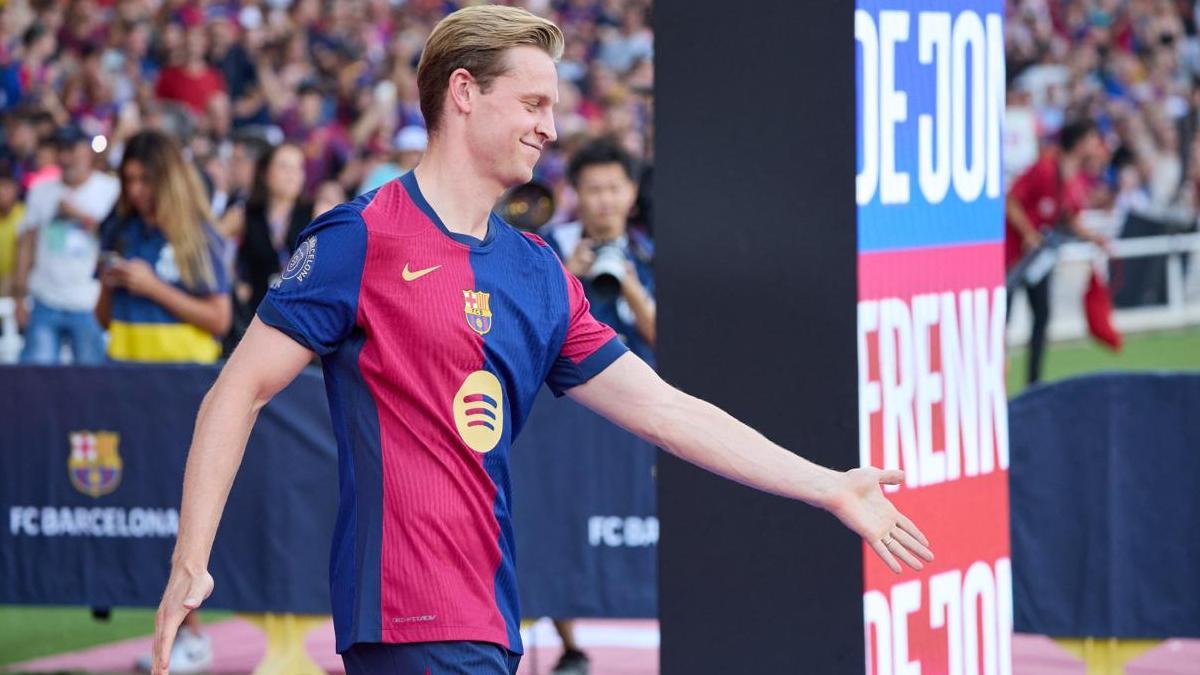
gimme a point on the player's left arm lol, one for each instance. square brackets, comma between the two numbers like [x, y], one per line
[632, 395]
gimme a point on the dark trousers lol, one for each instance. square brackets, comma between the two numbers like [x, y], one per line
[1039, 305]
[430, 658]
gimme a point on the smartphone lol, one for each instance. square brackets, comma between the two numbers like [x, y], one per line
[109, 259]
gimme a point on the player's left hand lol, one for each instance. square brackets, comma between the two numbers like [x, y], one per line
[185, 592]
[857, 500]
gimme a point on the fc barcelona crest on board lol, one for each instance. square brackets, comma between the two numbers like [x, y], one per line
[478, 310]
[94, 464]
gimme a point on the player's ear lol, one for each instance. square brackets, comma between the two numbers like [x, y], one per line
[462, 90]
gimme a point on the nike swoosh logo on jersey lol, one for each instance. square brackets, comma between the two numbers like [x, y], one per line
[412, 276]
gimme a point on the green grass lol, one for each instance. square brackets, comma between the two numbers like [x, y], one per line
[32, 632]
[1168, 350]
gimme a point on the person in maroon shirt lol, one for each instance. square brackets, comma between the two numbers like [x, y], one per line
[1050, 194]
[194, 82]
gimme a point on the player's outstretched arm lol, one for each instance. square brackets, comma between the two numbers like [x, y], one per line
[264, 362]
[633, 396]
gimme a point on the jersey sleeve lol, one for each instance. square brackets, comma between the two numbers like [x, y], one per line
[588, 347]
[316, 299]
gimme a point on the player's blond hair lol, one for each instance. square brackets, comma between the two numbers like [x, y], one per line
[476, 39]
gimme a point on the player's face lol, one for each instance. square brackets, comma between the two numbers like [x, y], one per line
[514, 120]
[606, 195]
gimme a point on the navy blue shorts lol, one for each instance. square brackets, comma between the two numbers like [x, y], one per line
[430, 658]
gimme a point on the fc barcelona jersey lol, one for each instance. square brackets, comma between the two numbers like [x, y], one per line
[434, 346]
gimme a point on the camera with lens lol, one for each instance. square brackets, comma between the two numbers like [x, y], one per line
[607, 271]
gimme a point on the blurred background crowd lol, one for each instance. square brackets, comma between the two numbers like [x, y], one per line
[1133, 67]
[159, 160]
[1101, 144]
[284, 108]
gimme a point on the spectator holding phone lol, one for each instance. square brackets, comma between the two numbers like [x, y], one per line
[165, 294]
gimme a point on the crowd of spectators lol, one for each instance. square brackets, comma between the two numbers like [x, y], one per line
[284, 107]
[1132, 67]
[1102, 141]
[160, 158]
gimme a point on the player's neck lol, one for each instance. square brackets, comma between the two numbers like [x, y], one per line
[462, 200]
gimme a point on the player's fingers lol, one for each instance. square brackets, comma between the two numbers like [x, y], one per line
[886, 555]
[910, 543]
[891, 477]
[165, 624]
[910, 527]
[896, 548]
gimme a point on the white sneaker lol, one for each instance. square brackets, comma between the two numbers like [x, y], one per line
[191, 653]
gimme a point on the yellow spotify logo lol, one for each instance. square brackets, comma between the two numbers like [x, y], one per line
[479, 411]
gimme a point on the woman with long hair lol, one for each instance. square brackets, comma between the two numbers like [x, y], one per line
[275, 214]
[165, 293]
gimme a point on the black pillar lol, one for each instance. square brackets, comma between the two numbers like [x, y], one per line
[755, 221]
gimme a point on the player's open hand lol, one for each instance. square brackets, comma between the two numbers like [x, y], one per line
[858, 501]
[185, 591]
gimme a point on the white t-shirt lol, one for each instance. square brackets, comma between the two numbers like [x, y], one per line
[63, 274]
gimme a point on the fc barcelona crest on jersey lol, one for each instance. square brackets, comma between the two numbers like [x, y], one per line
[478, 310]
[94, 464]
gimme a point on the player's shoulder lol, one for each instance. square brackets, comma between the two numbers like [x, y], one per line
[396, 208]
[359, 204]
[341, 226]
[535, 238]
[527, 244]
[562, 237]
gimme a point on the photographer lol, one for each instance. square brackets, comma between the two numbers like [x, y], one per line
[614, 264]
[613, 261]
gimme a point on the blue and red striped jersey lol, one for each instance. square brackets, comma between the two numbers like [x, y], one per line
[434, 346]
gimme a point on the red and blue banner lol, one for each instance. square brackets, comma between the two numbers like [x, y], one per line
[931, 304]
